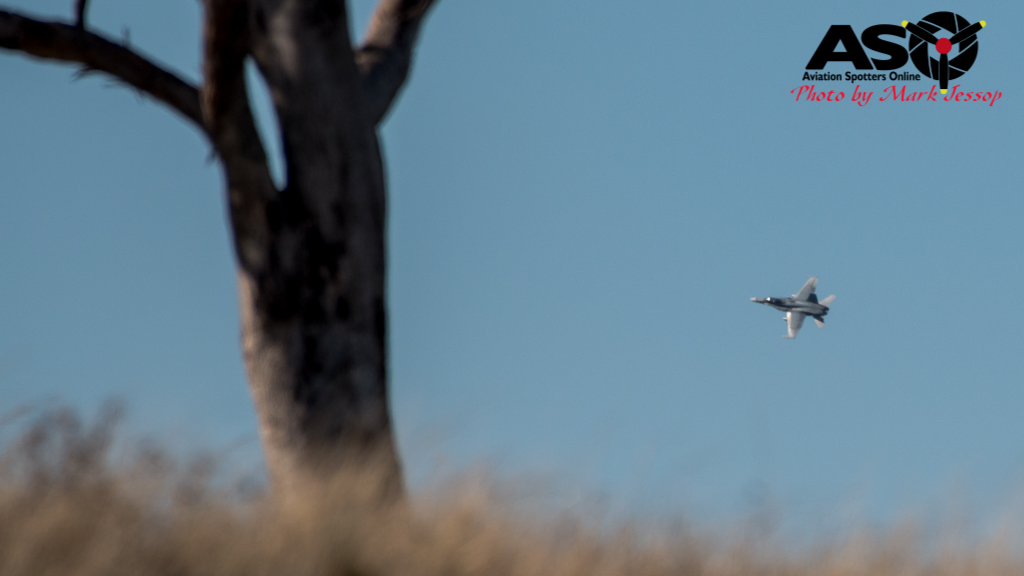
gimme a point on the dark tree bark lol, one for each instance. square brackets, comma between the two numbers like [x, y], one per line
[311, 256]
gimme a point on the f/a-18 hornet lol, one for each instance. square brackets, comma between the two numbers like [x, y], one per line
[803, 303]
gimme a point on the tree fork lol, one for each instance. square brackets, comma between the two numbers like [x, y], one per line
[312, 256]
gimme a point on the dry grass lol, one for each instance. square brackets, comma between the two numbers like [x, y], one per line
[66, 509]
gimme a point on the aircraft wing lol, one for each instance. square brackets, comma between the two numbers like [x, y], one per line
[807, 290]
[795, 320]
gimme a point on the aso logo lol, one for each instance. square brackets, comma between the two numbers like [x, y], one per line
[964, 37]
[931, 46]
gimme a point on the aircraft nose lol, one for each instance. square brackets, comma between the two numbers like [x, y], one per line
[753, 299]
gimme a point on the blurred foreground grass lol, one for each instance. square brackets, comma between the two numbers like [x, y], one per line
[68, 507]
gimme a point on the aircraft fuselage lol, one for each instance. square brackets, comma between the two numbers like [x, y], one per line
[790, 305]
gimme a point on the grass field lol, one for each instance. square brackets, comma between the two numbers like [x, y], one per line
[69, 507]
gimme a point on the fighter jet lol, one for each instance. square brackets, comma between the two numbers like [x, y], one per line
[803, 303]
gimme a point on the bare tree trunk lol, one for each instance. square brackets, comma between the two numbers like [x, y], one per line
[311, 257]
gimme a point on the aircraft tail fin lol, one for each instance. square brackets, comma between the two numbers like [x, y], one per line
[828, 301]
[819, 321]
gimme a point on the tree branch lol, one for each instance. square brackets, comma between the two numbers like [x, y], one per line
[80, 7]
[57, 41]
[233, 129]
[385, 57]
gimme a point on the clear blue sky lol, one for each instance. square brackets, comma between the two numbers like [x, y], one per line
[584, 195]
